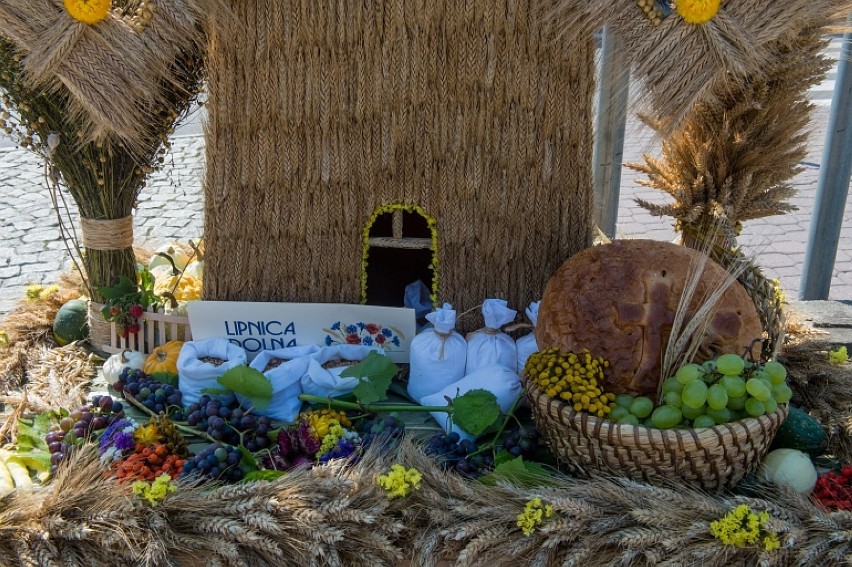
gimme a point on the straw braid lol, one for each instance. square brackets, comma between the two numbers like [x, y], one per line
[459, 108]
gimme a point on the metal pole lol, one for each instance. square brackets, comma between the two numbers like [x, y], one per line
[609, 139]
[832, 186]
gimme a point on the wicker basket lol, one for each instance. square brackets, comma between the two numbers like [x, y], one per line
[715, 458]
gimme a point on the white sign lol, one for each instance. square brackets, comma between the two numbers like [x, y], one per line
[259, 326]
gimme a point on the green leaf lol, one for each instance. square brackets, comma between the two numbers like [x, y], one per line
[167, 378]
[29, 438]
[124, 287]
[263, 475]
[248, 459]
[475, 411]
[216, 391]
[250, 383]
[374, 375]
[519, 472]
[36, 460]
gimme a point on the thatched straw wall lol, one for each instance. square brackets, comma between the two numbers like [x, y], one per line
[320, 113]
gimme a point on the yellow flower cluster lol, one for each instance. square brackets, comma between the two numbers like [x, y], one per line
[400, 481]
[741, 527]
[433, 230]
[573, 378]
[838, 356]
[184, 287]
[155, 491]
[697, 11]
[88, 11]
[321, 421]
[330, 439]
[35, 292]
[147, 434]
[534, 514]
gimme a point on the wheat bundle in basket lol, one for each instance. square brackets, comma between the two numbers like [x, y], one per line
[714, 458]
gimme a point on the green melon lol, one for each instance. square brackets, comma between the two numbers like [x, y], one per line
[801, 432]
[71, 322]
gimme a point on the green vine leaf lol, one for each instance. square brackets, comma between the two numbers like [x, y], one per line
[374, 374]
[122, 288]
[267, 475]
[475, 411]
[519, 472]
[250, 383]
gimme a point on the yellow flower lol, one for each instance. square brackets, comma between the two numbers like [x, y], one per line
[400, 481]
[155, 491]
[320, 421]
[33, 292]
[88, 11]
[697, 11]
[534, 514]
[741, 527]
[330, 439]
[147, 434]
[838, 356]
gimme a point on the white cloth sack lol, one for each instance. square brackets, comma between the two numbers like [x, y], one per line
[319, 381]
[438, 355]
[499, 380]
[286, 379]
[527, 345]
[195, 375]
[489, 346]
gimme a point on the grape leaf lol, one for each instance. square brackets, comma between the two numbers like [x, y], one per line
[263, 475]
[519, 472]
[374, 375]
[30, 439]
[250, 383]
[167, 378]
[475, 411]
[248, 462]
[122, 288]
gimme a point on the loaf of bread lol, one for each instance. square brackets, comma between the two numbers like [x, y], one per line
[619, 301]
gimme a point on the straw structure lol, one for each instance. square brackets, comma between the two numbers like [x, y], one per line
[114, 71]
[714, 458]
[320, 115]
[109, 234]
[680, 63]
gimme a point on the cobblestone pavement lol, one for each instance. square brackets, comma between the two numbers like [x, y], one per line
[170, 207]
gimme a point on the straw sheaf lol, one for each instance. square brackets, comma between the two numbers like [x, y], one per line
[460, 108]
[85, 518]
[682, 64]
[114, 72]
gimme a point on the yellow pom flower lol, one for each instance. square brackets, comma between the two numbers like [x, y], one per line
[741, 527]
[838, 356]
[697, 11]
[400, 481]
[88, 11]
[147, 434]
[155, 491]
[534, 514]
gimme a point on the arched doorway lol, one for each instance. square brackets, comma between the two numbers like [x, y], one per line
[400, 247]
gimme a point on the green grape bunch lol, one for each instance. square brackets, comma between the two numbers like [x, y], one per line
[728, 388]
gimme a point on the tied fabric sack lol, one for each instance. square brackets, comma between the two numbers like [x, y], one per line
[194, 374]
[527, 345]
[438, 355]
[501, 381]
[286, 379]
[490, 346]
[319, 381]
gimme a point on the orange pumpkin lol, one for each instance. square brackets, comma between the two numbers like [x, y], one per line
[163, 358]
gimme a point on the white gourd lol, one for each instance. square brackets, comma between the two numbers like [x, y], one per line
[120, 360]
[791, 468]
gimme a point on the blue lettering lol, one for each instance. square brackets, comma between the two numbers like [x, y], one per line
[228, 330]
[241, 327]
[292, 343]
[252, 345]
[290, 330]
[269, 330]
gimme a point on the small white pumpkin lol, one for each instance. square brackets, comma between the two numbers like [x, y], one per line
[195, 269]
[175, 252]
[121, 360]
[791, 468]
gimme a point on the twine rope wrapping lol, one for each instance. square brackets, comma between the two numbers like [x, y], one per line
[110, 234]
[100, 330]
[443, 337]
[485, 330]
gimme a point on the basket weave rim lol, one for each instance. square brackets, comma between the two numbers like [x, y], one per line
[640, 436]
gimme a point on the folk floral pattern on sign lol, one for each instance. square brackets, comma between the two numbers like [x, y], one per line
[366, 334]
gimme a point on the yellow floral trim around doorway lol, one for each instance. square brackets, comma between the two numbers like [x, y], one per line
[365, 244]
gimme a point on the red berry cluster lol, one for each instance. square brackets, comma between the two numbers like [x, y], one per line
[834, 490]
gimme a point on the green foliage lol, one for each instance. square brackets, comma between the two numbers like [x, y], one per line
[249, 383]
[475, 411]
[267, 475]
[517, 471]
[374, 374]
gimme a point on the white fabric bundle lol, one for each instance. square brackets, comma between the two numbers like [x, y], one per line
[499, 380]
[319, 381]
[438, 355]
[195, 375]
[489, 346]
[526, 345]
[285, 378]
